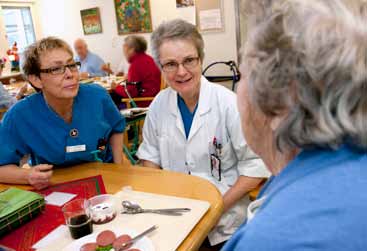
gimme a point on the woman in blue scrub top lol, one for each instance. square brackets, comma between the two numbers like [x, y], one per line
[63, 124]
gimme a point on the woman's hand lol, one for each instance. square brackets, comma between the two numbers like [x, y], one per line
[22, 91]
[40, 175]
[113, 85]
[240, 188]
[83, 75]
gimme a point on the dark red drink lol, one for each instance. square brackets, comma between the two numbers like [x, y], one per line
[80, 225]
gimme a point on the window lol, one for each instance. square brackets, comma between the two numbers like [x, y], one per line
[18, 26]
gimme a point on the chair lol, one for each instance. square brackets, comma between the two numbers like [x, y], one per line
[131, 102]
[2, 112]
[233, 68]
[135, 125]
[255, 192]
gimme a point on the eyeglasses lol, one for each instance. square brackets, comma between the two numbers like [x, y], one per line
[188, 63]
[61, 69]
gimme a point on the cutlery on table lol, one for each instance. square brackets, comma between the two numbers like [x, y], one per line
[126, 245]
[133, 208]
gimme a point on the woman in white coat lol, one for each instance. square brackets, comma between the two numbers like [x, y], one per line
[194, 126]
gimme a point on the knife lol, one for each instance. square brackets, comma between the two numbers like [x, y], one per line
[138, 237]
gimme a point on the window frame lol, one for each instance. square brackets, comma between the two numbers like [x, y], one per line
[33, 6]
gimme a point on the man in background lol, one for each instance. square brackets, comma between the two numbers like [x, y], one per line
[91, 64]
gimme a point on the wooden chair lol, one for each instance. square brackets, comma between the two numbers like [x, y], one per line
[2, 112]
[255, 192]
[130, 148]
[130, 103]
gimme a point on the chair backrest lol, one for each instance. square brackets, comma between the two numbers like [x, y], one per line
[163, 83]
[2, 112]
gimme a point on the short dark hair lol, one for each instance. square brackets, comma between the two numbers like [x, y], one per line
[137, 42]
[32, 54]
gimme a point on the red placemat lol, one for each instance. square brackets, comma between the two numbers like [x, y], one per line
[23, 238]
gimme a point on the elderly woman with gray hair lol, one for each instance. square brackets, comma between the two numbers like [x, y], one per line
[193, 126]
[303, 104]
[142, 70]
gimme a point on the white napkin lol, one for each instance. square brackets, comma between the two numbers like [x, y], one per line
[58, 198]
[61, 231]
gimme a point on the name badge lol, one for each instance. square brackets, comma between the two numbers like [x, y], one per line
[74, 149]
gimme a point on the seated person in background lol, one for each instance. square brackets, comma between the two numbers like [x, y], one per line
[63, 124]
[121, 70]
[142, 70]
[303, 100]
[6, 100]
[193, 126]
[91, 64]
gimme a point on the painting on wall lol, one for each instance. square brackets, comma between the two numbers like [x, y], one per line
[133, 16]
[184, 3]
[91, 21]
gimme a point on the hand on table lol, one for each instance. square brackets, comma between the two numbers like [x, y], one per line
[113, 85]
[22, 91]
[40, 175]
[83, 75]
[106, 68]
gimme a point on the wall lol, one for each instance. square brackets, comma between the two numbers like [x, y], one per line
[4, 46]
[62, 18]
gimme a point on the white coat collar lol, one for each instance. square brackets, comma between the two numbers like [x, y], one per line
[203, 108]
[204, 99]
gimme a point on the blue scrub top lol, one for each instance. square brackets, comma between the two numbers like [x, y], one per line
[31, 127]
[317, 202]
[187, 116]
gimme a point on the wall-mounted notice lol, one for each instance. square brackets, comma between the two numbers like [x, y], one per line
[210, 19]
[186, 10]
[209, 14]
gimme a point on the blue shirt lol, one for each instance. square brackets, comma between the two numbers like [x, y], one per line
[92, 64]
[31, 127]
[318, 202]
[187, 116]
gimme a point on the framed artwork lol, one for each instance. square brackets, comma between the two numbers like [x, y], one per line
[133, 16]
[91, 21]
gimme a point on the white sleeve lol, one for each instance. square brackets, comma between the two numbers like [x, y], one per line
[149, 148]
[249, 164]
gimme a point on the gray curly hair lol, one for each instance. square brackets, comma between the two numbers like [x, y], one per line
[176, 29]
[138, 43]
[308, 60]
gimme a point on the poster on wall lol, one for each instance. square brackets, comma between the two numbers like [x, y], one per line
[210, 16]
[91, 21]
[186, 10]
[210, 20]
[184, 3]
[133, 16]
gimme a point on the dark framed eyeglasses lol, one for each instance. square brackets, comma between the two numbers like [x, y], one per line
[189, 63]
[61, 69]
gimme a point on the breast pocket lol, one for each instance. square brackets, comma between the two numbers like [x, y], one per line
[227, 156]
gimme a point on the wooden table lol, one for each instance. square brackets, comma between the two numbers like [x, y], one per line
[153, 181]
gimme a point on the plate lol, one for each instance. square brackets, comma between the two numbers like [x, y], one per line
[144, 244]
